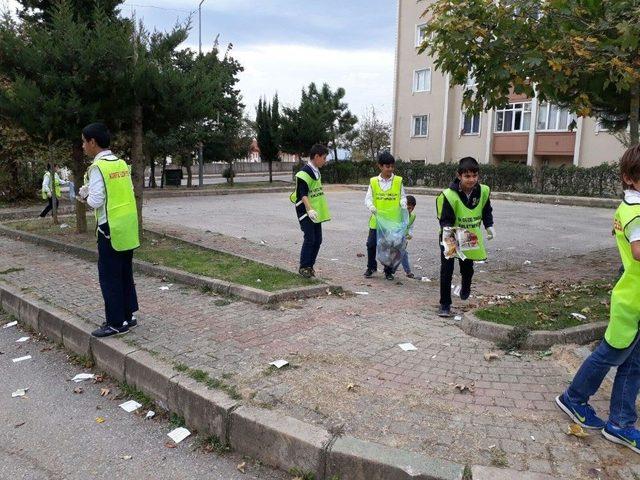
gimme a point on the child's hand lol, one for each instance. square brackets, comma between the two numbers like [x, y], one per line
[83, 192]
[313, 215]
[491, 233]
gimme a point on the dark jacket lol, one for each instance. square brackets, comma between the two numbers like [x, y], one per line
[302, 190]
[448, 217]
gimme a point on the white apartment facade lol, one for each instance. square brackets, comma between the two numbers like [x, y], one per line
[430, 126]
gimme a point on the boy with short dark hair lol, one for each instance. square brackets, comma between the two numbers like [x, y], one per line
[385, 196]
[620, 347]
[465, 204]
[411, 205]
[311, 208]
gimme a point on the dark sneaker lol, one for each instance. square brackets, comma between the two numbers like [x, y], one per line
[444, 311]
[410, 275]
[581, 413]
[465, 292]
[305, 272]
[369, 273]
[389, 276]
[108, 331]
[131, 323]
[629, 437]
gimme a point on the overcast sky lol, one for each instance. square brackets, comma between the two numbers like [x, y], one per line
[286, 44]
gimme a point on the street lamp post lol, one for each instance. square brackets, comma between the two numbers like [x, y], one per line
[200, 153]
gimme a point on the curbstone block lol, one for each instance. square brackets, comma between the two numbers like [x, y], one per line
[50, 324]
[29, 312]
[280, 441]
[250, 293]
[10, 301]
[359, 460]
[76, 335]
[541, 339]
[584, 333]
[109, 355]
[203, 409]
[148, 375]
[493, 473]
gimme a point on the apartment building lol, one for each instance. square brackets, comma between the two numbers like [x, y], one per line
[430, 126]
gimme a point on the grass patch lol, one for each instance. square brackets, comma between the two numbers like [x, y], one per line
[498, 457]
[11, 270]
[302, 475]
[177, 421]
[552, 308]
[199, 376]
[212, 383]
[159, 250]
[133, 393]
[212, 444]
[181, 367]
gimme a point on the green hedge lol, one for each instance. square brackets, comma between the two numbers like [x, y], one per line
[600, 181]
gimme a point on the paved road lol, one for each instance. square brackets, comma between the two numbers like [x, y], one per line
[52, 433]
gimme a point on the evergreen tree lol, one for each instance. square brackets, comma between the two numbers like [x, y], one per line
[268, 132]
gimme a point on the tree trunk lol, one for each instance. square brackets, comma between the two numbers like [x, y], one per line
[137, 160]
[633, 114]
[78, 168]
[164, 167]
[190, 176]
[231, 173]
[270, 171]
[152, 172]
[335, 151]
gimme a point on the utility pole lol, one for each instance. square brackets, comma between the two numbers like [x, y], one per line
[200, 153]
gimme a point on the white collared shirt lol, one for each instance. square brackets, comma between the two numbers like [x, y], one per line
[385, 184]
[316, 170]
[633, 229]
[46, 182]
[97, 193]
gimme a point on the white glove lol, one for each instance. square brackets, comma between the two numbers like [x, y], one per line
[48, 194]
[83, 192]
[403, 203]
[491, 233]
[373, 210]
[313, 215]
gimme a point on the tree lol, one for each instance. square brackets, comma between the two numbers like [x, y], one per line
[230, 141]
[268, 132]
[342, 120]
[373, 136]
[43, 10]
[579, 54]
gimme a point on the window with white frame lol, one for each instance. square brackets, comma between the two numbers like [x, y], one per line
[421, 33]
[470, 124]
[420, 126]
[515, 117]
[553, 118]
[422, 80]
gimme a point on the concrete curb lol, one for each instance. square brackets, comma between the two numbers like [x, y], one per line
[521, 197]
[537, 340]
[27, 213]
[183, 192]
[219, 286]
[275, 439]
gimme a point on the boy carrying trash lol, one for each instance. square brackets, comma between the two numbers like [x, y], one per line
[620, 347]
[311, 208]
[465, 204]
[385, 197]
[411, 205]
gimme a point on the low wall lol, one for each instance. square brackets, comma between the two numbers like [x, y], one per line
[217, 168]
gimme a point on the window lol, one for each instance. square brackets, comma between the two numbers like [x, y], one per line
[470, 124]
[551, 117]
[420, 33]
[420, 126]
[422, 80]
[515, 117]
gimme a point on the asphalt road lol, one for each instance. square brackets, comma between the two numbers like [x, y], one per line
[52, 432]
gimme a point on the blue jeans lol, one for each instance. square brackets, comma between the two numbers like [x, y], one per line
[405, 262]
[622, 410]
[311, 242]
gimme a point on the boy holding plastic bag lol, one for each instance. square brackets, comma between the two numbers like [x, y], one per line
[387, 203]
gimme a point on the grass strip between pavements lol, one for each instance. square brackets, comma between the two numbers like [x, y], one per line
[167, 252]
[554, 307]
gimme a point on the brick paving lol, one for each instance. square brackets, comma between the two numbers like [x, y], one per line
[346, 366]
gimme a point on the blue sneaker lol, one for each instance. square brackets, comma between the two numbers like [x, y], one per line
[629, 437]
[581, 413]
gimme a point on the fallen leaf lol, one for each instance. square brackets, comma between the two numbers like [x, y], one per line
[241, 466]
[462, 387]
[78, 390]
[98, 379]
[577, 431]
[586, 310]
[170, 445]
[100, 420]
[18, 425]
[104, 392]
[359, 255]
[488, 356]
[45, 349]
[351, 386]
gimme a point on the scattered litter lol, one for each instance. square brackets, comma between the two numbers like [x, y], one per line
[577, 431]
[362, 293]
[456, 290]
[579, 316]
[419, 267]
[328, 290]
[279, 363]
[463, 387]
[126, 457]
[150, 414]
[351, 386]
[64, 225]
[21, 392]
[46, 349]
[458, 317]
[82, 377]
[22, 339]
[513, 353]
[240, 467]
[407, 347]
[433, 356]
[546, 353]
[170, 445]
[20, 359]
[533, 438]
[480, 262]
[258, 280]
[100, 420]
[130, 406]
[527, 262]
[352, 314]
[504, 297]
[446, 344]
[419, 260]
[10, 324]
[179, 434]
[262, 242]
[164, 288]
[488, 356]
[425, 279]
[18, 425]
[104, 392]
[78, 390]
[359, 255]
[318, 307]
[335, 259]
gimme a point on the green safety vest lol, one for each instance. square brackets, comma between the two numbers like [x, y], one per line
[316, 196]
[625, 297]
[56, 185]
[387, 203]
[412, 218]
[120, 204]
[467, 218]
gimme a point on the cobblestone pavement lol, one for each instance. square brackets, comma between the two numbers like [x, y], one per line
[346, 365]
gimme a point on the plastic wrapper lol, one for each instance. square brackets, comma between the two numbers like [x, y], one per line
[391, 239]
[456, 241]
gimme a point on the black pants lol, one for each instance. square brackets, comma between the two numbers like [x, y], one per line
[311, 243]
[372, 241]
[48, 208]
[446, 274]
[115, 271]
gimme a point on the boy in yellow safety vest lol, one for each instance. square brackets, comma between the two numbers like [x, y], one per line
[385, 196]
[311, 208]
[464, 204]
[110, 193]
[620, 347]
[46, 188]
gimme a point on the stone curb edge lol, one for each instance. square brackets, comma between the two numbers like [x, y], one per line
[20, 214]
[536, 340]
[219, 286]
[150, 193]
[278, 440]
[520, 197]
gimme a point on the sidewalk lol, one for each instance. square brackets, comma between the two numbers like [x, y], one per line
[347, 368]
